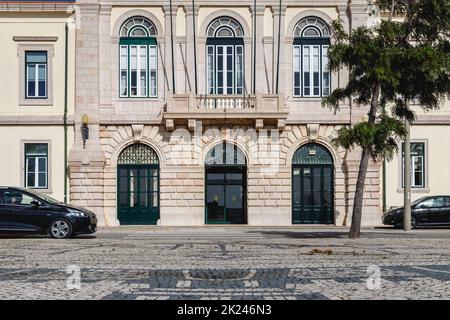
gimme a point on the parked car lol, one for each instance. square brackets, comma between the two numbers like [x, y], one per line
[26, 211]
[431, 211]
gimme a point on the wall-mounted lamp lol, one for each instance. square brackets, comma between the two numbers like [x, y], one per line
[84, 129]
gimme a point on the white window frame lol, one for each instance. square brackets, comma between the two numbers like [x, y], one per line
[151, 58]
[215, 71]
[36, 78]
[36, 158]
[413, 171]
[298, 66]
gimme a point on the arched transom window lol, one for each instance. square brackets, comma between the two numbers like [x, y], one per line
[138, 59]
[225, 57]
[225, 27]
[310, 58]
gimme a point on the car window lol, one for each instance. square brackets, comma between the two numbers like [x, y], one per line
[447, 200]
[436, 202]
[14, 197]
[428, 203]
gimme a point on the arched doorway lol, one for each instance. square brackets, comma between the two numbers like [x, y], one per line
[312, 185]
[226, 185]
[138, 185]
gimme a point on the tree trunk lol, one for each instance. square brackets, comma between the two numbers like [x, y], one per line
[359, 196]
[355, 229]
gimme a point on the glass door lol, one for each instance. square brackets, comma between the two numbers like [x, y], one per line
[225, 195]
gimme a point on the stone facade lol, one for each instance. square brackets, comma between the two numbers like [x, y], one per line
[117, 123]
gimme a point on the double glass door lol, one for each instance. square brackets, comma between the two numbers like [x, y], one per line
[226, 195]
[225, 69]
[138, 194]
[312, 200]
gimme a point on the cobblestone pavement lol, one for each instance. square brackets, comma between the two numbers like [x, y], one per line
[228, 263]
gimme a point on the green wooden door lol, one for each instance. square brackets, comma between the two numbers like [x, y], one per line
[138, 194]
[312, 186]
[138, 186]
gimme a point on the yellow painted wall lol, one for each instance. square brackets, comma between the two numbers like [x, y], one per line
[268, 23]
[181, 22]
[438, 165]
[34, 25]
[11, 163]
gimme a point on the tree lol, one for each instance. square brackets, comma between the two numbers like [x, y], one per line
[390, 65]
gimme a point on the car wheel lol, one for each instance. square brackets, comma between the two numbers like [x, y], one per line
[398, 225]
[60, 229]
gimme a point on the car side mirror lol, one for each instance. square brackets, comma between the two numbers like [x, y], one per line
[34, 204]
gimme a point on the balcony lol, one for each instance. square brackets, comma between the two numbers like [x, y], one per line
[232, 108]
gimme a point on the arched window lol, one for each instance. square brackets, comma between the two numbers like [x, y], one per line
[311, 73]
[225, 57]
[225, 154]
[138, 59]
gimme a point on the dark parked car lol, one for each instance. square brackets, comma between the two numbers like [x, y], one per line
[432, 211]
[26, 211]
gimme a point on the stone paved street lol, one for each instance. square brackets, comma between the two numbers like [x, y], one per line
[229, 263]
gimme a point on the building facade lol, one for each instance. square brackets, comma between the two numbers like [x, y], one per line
[185, 112]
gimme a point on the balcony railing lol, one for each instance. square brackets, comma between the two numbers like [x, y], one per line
[189, 106]
[225, 102]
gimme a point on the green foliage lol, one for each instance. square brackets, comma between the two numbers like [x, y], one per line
[380, 137]
[389, 66]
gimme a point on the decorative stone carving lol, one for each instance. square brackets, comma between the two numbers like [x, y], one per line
[170, 125]
[137, 131]
[191, 124]
[281, 124]
[259, 124]
[313, 130]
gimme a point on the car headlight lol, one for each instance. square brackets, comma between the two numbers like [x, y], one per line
[77, 213]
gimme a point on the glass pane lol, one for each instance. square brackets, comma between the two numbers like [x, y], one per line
[123, 198]
[296, 186]
[138, 32]
[42, 164]
[317, 186]
[215, 203]
[215, 176]
[143, 180]
[133, 70]
[308, 200]
[133, 188]
[42, 180]
[31, 88]
[153, 70]
[31, 180]
[327, 188]
[31, 164]
[42, 89]
[123, 70]
[123, 187]
[143, 200]
[42, 74]
[36, 57]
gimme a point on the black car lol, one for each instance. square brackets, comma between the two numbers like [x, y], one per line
[26, 211]
[432, 211]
